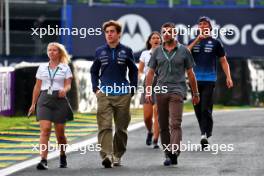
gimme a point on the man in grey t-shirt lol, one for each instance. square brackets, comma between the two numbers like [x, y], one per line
[170, 61]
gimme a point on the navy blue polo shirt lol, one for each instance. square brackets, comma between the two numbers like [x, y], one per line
[206, 54]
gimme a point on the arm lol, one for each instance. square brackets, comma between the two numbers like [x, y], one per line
[149, 80]
[132, 73]
[140, 69]
[193, 84]
[133, 76]
[226, 69]
[67, 88]
[197, 40]
[150, 75]
[95, 75]
[67, 84]
[35, 95]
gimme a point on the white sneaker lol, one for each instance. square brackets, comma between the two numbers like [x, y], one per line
[204, 142]
[116, 161]
[203, 137]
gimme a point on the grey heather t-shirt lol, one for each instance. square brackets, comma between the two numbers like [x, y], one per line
[171, 72]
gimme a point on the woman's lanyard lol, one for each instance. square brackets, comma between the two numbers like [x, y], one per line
[51, 79]
[168, 58]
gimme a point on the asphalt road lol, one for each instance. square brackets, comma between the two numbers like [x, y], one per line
[242, 131]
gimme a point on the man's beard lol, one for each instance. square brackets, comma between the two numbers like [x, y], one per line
[170, 42]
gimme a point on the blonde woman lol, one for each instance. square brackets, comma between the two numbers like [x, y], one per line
[53, 81]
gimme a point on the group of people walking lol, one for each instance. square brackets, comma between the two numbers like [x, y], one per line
[164, 64]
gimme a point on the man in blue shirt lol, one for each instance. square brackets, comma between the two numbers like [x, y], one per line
[206, 51]
[113, 93]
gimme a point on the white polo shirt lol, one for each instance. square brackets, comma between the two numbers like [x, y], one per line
[145, 57]
[63, 72]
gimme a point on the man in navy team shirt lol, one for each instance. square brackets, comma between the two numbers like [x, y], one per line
[113, 91]
[206, 51]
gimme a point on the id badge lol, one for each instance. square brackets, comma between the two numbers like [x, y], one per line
[50, 91]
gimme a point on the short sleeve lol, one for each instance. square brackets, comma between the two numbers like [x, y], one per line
[220, 51]
[189, 61]
[38, 74]
[153, 60]
[68, 73]
[142, 57]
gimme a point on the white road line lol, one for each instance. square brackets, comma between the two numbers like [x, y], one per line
[76, 146]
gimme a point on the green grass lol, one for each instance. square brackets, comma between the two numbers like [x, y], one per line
[9, 122]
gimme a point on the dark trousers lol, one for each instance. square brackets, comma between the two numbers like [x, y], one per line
[204, 109]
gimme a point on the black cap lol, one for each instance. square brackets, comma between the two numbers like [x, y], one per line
[206, 19]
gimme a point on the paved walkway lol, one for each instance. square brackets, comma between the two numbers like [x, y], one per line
[242, 129]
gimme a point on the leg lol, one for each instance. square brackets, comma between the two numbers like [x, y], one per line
[176, 109]
[163, 111]
[156, 123]
[61, 138]
[148, 116]
[207, 109]
[198, 110]
[122, 118]
[62, 141]
[104, 122]
[45, 130]
[148, 111]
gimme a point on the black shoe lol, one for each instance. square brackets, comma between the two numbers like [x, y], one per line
[156, 146]
[63, 161]
[42, 165]
[204, 143]
[174, 159]
[149, 138]
[167, 161]
[107, 162]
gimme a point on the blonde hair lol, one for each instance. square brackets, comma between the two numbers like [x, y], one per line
[65, 57]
